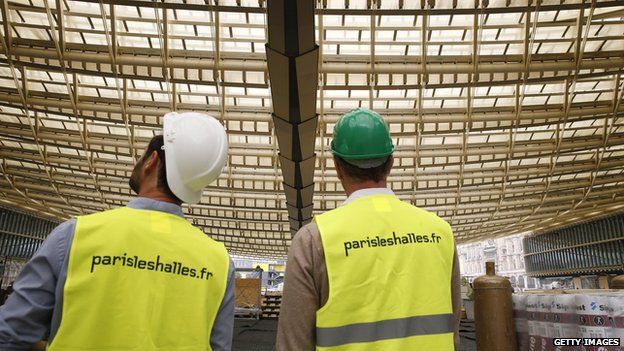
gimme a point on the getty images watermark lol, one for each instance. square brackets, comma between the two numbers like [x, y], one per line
[586, 342]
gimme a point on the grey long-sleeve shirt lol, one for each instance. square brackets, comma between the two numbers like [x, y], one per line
[34, 309]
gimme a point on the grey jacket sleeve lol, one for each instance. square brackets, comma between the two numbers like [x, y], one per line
[223, 328]
[305, 291]
[26, 315]
[456, 299]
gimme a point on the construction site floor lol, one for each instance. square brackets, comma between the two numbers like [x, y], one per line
[259, 335]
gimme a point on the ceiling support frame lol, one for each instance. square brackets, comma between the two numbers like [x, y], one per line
[292, 60]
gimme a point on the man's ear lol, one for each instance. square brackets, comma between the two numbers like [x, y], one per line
[388, 168]
[152, 162]
[339, 171]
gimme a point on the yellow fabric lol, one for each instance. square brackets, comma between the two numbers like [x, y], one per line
[438, 342]
[373, 283]
[135, 282]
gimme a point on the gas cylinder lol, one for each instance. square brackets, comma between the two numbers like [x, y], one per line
[494, 312]
[617, 282]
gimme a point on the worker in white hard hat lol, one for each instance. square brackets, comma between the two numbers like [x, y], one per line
[376, 273]
[138, 277]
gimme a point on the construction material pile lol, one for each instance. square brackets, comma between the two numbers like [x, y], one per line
[541, 317]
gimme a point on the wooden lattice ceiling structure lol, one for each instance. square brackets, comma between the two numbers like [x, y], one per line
[507, 115]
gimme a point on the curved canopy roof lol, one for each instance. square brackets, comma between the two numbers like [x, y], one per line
[507, 115]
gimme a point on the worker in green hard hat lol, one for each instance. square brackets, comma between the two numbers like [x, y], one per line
[376, 273]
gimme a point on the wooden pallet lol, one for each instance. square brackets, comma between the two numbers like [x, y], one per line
[247, 313]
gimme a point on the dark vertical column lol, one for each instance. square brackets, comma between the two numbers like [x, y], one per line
[292, 59]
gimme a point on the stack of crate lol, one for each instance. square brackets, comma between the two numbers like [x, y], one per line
[271, 305]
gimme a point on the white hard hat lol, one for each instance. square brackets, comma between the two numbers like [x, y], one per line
[195, 153]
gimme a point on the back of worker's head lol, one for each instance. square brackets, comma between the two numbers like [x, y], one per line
[362, 147]
[190, 155]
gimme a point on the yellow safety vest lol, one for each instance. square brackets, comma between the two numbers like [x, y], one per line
[140, 280]
[389, 266]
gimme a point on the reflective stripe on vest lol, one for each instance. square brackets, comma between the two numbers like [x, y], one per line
[388, 329]
[140, 280]
[389, 267]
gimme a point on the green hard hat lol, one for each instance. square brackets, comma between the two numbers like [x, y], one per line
[361, 134]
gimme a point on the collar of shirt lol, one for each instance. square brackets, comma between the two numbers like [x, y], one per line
[143, 203]
[367, 192]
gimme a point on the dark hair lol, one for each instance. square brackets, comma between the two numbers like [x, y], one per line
[156, 145]
[375, 174]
